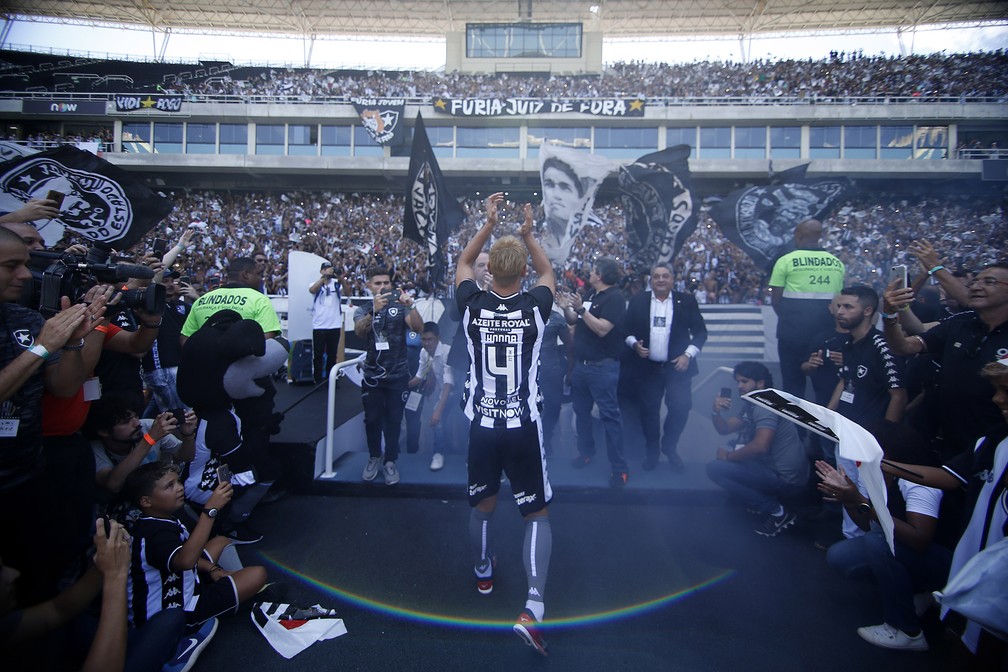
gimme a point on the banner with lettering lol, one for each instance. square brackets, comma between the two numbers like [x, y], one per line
[382, 118]
[148, 103]
[762, 219]
[658, 206]
[515, 107]
[63, 107]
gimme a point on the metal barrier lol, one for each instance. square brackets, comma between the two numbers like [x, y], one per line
[336, 372]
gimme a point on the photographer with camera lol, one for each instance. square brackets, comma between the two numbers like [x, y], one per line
[767, 462]
[327, 321]
[160, 363]
[36, 355]
[68, 453]
[139, 311]
[122, 441]
[383, 327]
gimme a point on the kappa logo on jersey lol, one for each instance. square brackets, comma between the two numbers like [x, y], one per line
[862, 371]
[95, 206]
[501, 307]
[24, 338]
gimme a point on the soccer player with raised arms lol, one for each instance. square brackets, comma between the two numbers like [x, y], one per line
[504, 332]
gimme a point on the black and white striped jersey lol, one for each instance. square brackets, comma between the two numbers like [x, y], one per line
[504, 335]
[153, 585]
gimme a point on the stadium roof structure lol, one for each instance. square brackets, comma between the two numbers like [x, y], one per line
[436, 18]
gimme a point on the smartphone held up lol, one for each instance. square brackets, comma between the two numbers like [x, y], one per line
[898, 274]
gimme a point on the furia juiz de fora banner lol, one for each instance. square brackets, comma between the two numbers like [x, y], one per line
[514, 107]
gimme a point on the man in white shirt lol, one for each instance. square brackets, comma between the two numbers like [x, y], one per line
[665, 330]
[434, 379]
[327, 321]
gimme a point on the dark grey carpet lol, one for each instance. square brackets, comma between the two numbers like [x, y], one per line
[744, 602]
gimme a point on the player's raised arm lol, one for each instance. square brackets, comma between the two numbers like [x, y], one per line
[540, 262]
[464, 270]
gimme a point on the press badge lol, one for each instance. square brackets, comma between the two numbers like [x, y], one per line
[847, 397]
[413, 401]
[381, 345]
[92, 389]
[9, 421]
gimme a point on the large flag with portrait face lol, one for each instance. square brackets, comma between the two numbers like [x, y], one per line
[432, 213]
[570, 180]
[101, 202]
[658, 206]
[762, 219]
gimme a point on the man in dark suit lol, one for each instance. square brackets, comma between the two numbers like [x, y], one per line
[665, 330]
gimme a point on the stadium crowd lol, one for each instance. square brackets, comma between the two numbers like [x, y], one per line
[246, 237]
[869, 233]
[42, 140]
[840, 77]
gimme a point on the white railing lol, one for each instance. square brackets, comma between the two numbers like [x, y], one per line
[659, 101]
[337, 372]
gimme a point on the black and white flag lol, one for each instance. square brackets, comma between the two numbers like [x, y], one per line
[432, 214]
[12, 150]
[570, 180]
[658, 205]
[102, 202]
[290, 630]
[383, 118]
[762, 219]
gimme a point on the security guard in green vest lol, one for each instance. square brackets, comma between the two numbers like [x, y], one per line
[241, 294]
[802, 284]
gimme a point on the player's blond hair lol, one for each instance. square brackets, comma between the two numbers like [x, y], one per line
[508, 257]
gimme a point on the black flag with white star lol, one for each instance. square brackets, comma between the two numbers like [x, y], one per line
[383, 118]
[658, 205]
[102, 202]
[432, 214]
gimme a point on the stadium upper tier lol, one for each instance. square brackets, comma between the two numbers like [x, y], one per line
[844, 77]
[435, 18]
[891, 118]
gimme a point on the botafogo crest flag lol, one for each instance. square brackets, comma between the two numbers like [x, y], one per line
[762, 219]
[658, 206]
[432, 213]
[384, 119]
[101, 202]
